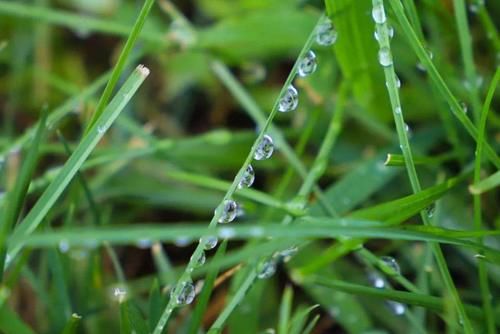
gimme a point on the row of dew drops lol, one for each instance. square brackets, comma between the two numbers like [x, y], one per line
[325, 35]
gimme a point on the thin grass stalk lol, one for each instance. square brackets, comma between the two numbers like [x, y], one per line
[390, 76]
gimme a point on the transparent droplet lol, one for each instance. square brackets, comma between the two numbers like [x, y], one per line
[247, 178]
[407, 128]
[396, 307]
[430, 211]
[376, 280]
[288, 253]
[144, 243]
[229, 209]
[377, 32]
[119, 294]
[200, 259]
[384, 56]
[421, 66]
[101, 129]
[308, 64]
[326, 33]
[64, 246]
[182, 241]
[266, 268]
[186, 294]
[378, 14]
[391, 263]
[209, 242]
[397, 110]
[398, 82]
[265, 148]
[289, 101]
[463, 105]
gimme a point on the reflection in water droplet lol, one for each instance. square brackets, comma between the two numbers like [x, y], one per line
[396, 307]
[326, 33]
[463, 105]
[376, 280]
[229, 209]
[384, 56]
[265, 148]
[200, 259]
[247, 178]
[308, 64]
[289, 101]
[266, 268]
[186, 293]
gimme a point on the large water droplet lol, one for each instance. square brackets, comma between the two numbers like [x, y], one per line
[265, 148]
[308, 64]
[209, 242]
[266, 268]
[229, 209]
[326, 33]
[199, 260]
[397, 110]
[376, 280]
[378, 32]
[384, 56]
[391, 263]
[186, 294]
[378, 14]
[396, 307]
[289, 101]
[247, 178]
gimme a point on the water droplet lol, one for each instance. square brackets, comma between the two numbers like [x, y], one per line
[407, 128]
[229, 209]
[396, 307]
[119, 294]
[377, 32]
[391, 263]
[378, 14]
[308, 64]
[144, 243]
[397, 110]
[463, 105]
[209, 242]
[186, 293]
[289, 101]
[398, 82]
[430, 211]
[376, 280]
[384, 56]
[265, 148]
[227, 233]
[256, 231]
[200, 259]
[101, 129]
[182, 241]
[326, 33]
[267, 268]
[64, 246]
[247, 178]
[288, 253]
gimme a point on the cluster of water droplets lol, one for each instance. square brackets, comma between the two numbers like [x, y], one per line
[390, 267]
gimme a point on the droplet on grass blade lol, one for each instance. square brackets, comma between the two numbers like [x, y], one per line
[396, 307]
[384, 56]
[289, 101]
[376, 280]
[266, 268]
[378, 14]
[326, 33]
[209, 242]
[200, 259]
[391, 263]
[247, 178]
[186, 294]
[307, 64]
[265, 148]
[229, 210]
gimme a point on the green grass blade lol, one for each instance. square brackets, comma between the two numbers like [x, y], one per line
[120, 64]
[487, 184]
[81, 153]
[72, 324]
[285, 311]
[11, 323]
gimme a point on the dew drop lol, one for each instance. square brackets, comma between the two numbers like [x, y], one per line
[377, 32]
[119, 294]
[209, 242]
[101, 129]
[308, 64]
[64, 246]
[376, 280]
[326, 33]
[396, 307]
[265, 148]
[384, 56]
[288, 253]
[378, 14]
[463, 105]
[144, 243]
[397, 110]
[430, 211]
[391, 263]
[200, 259]
[398, 82]
[247, 178]
[266, 268]
[182, 241]
[229, 209]
[289, 101]
[186, 294]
